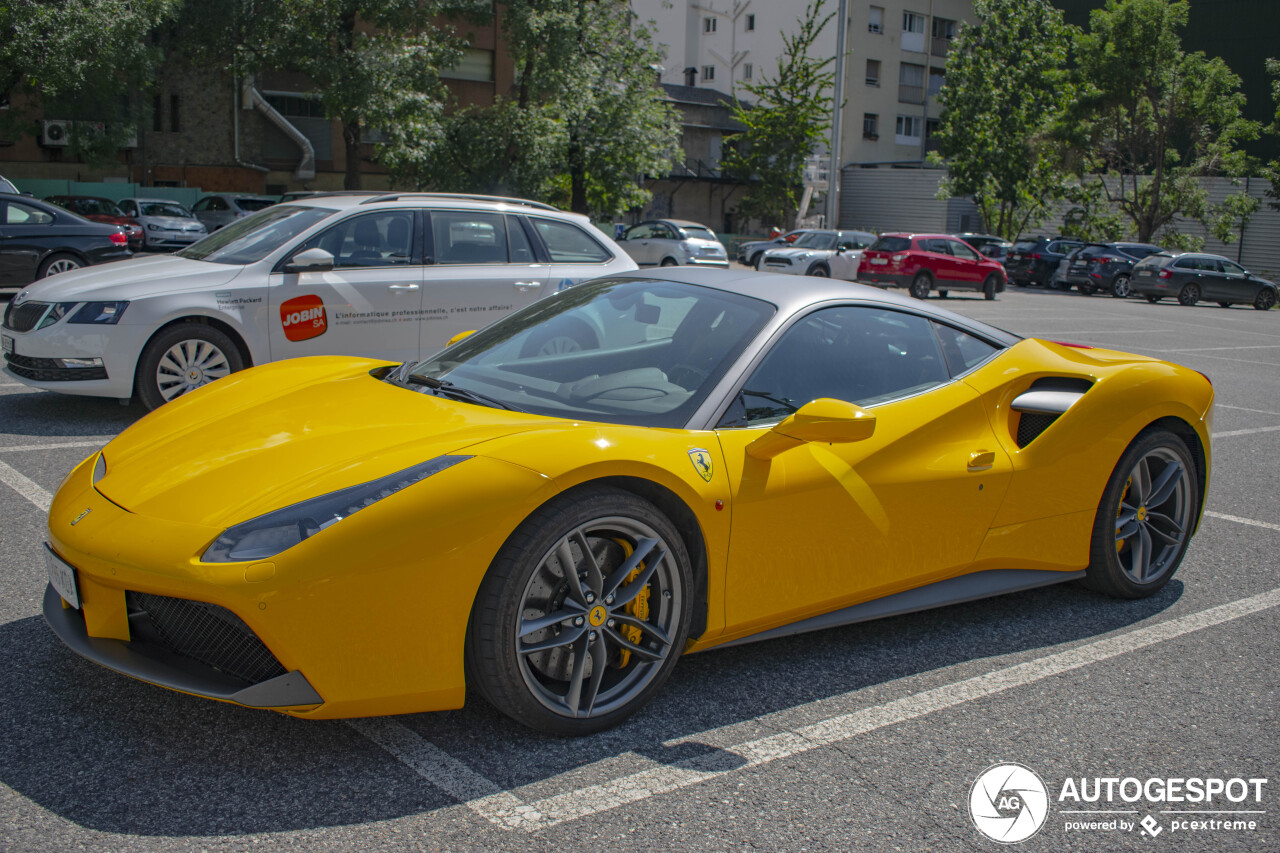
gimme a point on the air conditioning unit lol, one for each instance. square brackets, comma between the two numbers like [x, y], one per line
[55, 133]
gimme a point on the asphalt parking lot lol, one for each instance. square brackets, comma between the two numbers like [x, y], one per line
[867, 737]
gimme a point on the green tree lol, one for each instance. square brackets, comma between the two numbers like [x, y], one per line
[1272, 170]
[1153, 119]
[791, 115]
[1007, 87]
[83, 58]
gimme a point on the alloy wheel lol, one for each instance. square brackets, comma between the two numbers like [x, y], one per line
[1154, 518]
[187, 365]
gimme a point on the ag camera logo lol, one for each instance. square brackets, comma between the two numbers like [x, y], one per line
[1008, 803]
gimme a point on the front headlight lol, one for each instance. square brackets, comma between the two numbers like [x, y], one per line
[268, 535]
[100, 313]
[151, 226]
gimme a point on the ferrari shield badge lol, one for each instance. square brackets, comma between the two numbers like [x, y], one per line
[701, 460]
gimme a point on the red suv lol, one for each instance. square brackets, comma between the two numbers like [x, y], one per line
[924, 262]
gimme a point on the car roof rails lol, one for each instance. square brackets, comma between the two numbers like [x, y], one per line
[461, 197]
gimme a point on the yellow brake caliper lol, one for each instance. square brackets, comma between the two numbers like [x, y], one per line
[637, 607]
[1119, 510]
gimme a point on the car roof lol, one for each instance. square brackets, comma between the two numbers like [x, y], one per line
[792, 294]
[154, 200]
[347, 199]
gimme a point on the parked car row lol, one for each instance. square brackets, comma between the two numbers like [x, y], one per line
[39, 239]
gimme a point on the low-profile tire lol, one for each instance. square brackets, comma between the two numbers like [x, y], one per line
[182, 358]
[669, 262]
[1120, 287]
[1146, 517]
[58, 263]
[990, 286]
[920, 285]
[616, 641]
[818, 271]
[1265, 300]
[1153, 299]
[754, 262]
[1189, 295]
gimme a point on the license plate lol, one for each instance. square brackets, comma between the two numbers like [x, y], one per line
[8, 345]
[880, 261]
[63, 578]
[1144, 272]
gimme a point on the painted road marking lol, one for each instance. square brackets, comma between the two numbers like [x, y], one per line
[507, 810]
[1238, 520]
[1232, 432]
[26, 448]
[24, 486]
[1243, 409]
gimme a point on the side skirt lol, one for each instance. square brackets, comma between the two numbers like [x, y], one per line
[952, 591]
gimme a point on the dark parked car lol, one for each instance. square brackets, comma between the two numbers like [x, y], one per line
[752, 253]
[1034, 261]
[1105, 266]
[39, 239]
[980, 241]
[1192, 276]
[102, 210]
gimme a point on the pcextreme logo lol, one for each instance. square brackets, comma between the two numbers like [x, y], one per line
[1008, 803]
[303, 317]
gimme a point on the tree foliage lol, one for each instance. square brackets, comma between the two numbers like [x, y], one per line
[791, 115]
[1152, 119]
[1006, 88]
[1272, 170]
[81, 57]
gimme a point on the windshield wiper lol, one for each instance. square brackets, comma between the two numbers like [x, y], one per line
[444, 387]
[762, 395]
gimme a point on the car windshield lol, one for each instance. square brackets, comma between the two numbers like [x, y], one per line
[696, 232]
[251, 239]
[626, 351]
[816, 240]
[159, 208]
[891, 244]
[254, 204]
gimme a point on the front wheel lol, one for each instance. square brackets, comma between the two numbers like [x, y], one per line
[920, 286]
[669, 262]
[583, 613]
[1189, 295]
[819, 271]
[181, 359]
[1265, 300]
[1120, 287]
[989, 287]
[755, 260]
[1145, 520]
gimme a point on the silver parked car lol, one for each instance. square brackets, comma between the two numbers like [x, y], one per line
[165, 224]
[222, 209]
[671, 242]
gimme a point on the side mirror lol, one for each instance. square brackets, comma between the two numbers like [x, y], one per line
[310, 260]
[823, 420]
[459, 337]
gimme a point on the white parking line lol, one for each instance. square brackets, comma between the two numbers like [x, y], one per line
[1250, 431]
[1238, 520]
[28, 488]
[507, 810]
[24, 448]
[1243, 409]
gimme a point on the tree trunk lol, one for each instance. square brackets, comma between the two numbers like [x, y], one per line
[577, 175]
[351, 139]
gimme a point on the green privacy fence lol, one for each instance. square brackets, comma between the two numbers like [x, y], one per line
[43, 188]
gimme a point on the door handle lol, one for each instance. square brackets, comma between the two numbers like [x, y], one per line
[982, 460]
[525, 285]
[403, 286]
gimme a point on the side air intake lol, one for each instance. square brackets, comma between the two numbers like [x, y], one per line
[1043, 403]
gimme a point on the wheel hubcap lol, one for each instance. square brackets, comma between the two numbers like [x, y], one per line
[63, 265]
[597, 617]
[187, 365]
[1154, 516]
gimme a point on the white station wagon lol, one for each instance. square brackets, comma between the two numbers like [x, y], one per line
[381, 275]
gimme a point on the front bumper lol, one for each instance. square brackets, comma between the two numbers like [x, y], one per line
[722, 263]
[39, 357]
[881, 279]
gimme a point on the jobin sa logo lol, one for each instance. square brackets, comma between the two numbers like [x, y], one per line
[303, 317]
[1008, 803]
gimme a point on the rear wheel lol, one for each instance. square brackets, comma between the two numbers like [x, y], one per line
[1120, 287]
[1189, 295]
[943, 294]
[755, 260]
[669, 262]
[181, 359]
[1265, 300]
[989, 287]
[921, 285]
[55, 264]
[1145, 519]
[583, 613]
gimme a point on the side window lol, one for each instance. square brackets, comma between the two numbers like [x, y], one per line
[861, 355]
[129, 208]
[217, 204]
[201, 205]
[373, 240]
[960, 250]
[1231, 268]
[643, 231]
[569, 244]
[469, 237]
[22, 214]
[962, 350]
[521, 250]
[1211, 264]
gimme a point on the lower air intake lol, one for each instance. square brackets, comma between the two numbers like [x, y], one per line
[1030, 425]
[206, 633]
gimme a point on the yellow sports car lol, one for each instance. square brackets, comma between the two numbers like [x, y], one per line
[552, 510]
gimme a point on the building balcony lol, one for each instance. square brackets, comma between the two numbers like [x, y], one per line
[910, 94]
[941, 44]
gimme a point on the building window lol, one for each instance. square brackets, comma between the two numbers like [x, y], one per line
[943, 32]
[476, 64]
[937, 77]
[708, 25]
[708, 72]
[875, 23]
[751, 23]
[873, 72]
[748, 71]
[910, 83]
[870, 126]
[913, 32]
[157, 120]
[907, 131]
[175, 124]
[930, 128]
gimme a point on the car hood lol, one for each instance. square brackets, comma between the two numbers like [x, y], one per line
[175, 223]
[275, 435]
[147, 275]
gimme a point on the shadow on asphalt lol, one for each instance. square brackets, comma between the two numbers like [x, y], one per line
[49, 414]
[116, 755]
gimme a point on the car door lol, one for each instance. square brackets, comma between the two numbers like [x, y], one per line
[639, 245]
[483, 266]
[369, 304]
[822, 526]
[944, 266]
[665, 243]
[1234, 284]
[26, 236]
[967, 264]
